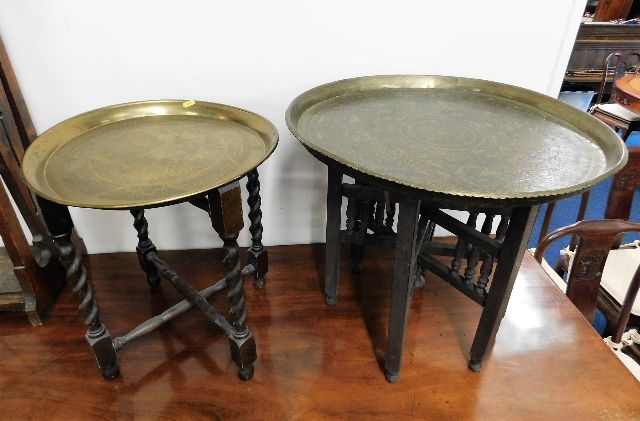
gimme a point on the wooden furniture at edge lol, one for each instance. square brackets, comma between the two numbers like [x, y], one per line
[597, 238]
[624, 185]
[594, 42]
[31, 277]
[608, 10]
[623, 188]
[613, 113]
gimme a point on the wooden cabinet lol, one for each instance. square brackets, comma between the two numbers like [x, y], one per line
[594, 43]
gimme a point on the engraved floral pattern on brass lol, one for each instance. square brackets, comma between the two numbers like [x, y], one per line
[146, 153]
[457, 136]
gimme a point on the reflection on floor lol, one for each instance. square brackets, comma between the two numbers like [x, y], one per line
[314, 361]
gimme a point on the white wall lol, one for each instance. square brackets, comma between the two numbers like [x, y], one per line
[71, 56]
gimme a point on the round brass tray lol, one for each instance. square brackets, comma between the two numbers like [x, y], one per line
[145, 154]
[457, 136]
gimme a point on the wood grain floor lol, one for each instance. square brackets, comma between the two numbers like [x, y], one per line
[314, 361]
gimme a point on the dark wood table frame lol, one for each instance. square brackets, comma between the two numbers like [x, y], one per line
[224, 207]
[370, 218]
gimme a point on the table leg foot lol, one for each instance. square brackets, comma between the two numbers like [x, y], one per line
[331, 300]
[102, 346]
[475, 366]
[246, 374]
[243, 354]
[391, 377]
[111, 373]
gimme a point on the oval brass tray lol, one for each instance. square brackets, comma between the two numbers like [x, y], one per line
[457, 136]
[145, 154]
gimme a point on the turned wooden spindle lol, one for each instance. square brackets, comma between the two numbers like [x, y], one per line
[487, 264]
[461, 247]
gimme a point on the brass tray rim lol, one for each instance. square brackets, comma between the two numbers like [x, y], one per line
[551, 194]
[145, 204]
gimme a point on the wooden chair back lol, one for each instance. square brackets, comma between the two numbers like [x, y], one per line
[616, 65]
[595, 241]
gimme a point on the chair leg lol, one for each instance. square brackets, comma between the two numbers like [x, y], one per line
[258, 256]
[225, 206]
[403, 283]
[144, 247]
[511, 252]
[60, 226]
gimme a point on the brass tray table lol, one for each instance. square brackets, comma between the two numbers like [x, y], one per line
[149, 154]
[428, 143]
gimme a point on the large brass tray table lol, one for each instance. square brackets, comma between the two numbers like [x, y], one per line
[428, 143]
[149, 154]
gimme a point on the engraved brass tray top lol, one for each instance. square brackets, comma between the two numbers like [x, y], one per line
[146, 154]
[457, 136]
[626, 92]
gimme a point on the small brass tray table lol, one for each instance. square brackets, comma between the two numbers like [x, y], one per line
[427, 143]
[149, 154]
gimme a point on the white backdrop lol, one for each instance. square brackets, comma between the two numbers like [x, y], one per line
[71, 56]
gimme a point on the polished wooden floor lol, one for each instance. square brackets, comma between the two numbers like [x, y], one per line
[314, 361]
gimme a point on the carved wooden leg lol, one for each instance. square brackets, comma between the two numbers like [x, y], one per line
[225, 206]
[60, 226]
[258, 256]
[403, 281]
[144, 247]
[510, 257]
[332, 254]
